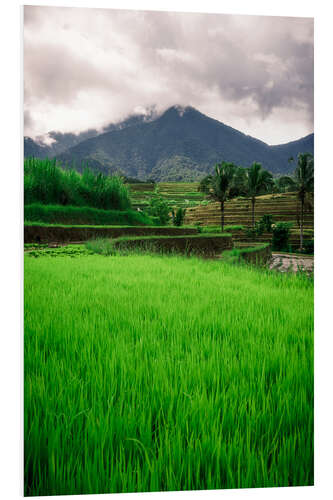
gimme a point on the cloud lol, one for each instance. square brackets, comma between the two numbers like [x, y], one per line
[85, 68]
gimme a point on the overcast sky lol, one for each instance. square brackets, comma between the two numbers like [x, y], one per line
[85, 68]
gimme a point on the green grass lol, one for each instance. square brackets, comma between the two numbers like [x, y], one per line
[236, 254]
[148, 373]
[118, 226]
[59, 214]
[217, 229]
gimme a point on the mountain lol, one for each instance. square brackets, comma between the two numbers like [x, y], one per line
[180, 144]
[33, 148]
[54, 142]
[291, 149]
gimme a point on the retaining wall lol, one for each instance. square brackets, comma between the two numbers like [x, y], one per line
[44, 234]
[201, 245]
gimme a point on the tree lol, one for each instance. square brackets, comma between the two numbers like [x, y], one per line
[220, 184]
[285, 183]
[304, 182]
[205, 184]
[258, 181]
[158, 207]
[238, 187]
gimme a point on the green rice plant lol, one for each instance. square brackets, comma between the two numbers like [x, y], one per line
[55, 214]
[217, 229]
[101, 246]
[252, 254]
[163, 374]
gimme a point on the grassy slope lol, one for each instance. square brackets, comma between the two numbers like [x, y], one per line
[60, 214]
[149, 373]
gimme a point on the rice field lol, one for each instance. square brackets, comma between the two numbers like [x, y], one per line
[151, 373]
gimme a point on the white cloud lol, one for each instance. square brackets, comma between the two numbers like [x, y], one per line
[85, 68]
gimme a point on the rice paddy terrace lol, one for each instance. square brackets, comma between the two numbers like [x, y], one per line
[284, 207]
[179, 194]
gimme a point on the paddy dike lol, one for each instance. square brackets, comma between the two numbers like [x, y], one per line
[61, 234]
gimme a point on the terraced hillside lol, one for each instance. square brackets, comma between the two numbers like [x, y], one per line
[283, 207]
[140, 194]
[179, 194]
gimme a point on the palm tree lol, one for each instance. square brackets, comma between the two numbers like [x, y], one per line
[258, 180]
[304, 182]
[218, 186]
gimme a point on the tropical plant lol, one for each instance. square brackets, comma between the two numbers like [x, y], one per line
[205, 184]
[158, 207]
[218, 186]
[284, 184]
[258, 181]
[267, 221]
[304, 183]
[281, 235]
[238, 187]
[178, 216]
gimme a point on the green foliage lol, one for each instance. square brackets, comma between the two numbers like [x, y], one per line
[267, 221]
[260, 226]
[258, 180]
[281, 235]
[62, 251]
[58, 214]
[308, 247]
[178, 216]
[304, 174]
[47, 183]
[237, 254]
[152, 373]
[238, 187]
[205, 184]
[284, 183]
[222, 181]
[159, 207]
[304, 180]
[177, 168]
[227, 229]
[102, 246]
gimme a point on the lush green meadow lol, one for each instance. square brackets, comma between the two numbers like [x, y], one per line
[148, 373]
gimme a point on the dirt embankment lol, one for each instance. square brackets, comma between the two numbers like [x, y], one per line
[45, 234]
[200, 245]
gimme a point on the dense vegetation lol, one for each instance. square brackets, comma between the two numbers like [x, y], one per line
[163, 373]
[45, 182]
[58, 214]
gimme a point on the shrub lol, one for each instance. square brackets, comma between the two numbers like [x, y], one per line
[178, 216]
[281, 235]
[308, 246]
[158, 207]
[267, 221]
[264, 224]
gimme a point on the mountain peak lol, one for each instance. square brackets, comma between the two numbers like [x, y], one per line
[181, 143]
[179, 110]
